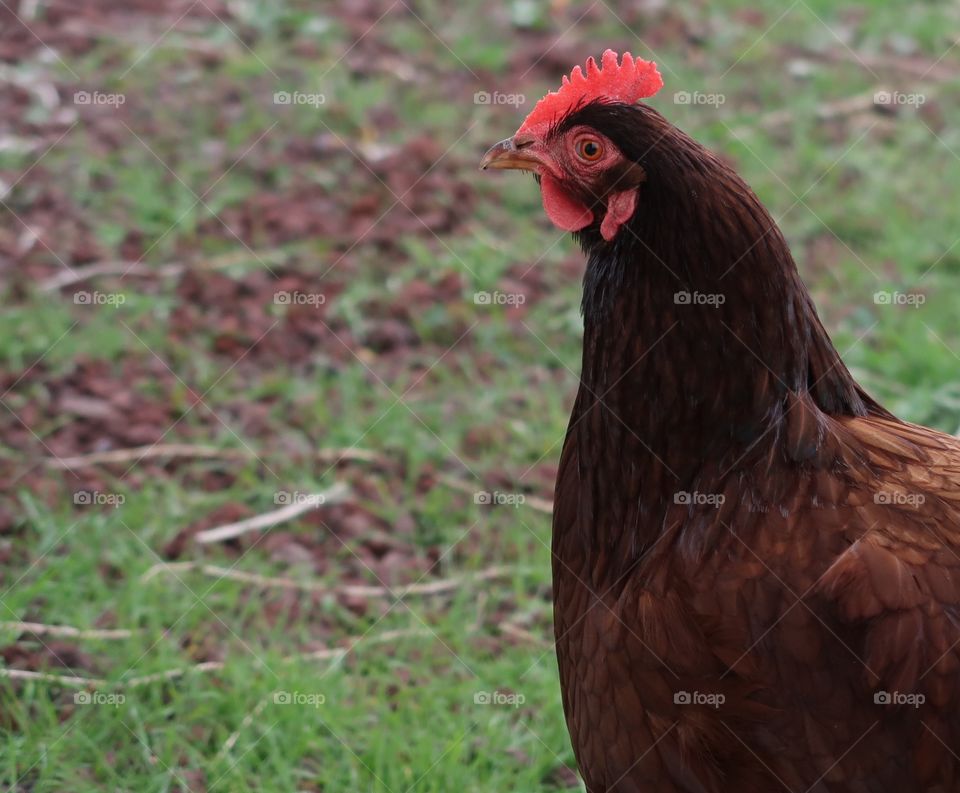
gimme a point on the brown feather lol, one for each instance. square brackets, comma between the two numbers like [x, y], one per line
[756, 567]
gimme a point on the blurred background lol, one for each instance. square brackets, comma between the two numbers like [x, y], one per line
[284, 379]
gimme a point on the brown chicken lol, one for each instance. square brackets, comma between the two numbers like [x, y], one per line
[756, 569]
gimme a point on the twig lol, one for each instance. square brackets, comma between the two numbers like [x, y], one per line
[170, 674]
[351, 590]
[826, 111]
[247, 721]
[338, 652]
[191, 451]
[534, 502]
[63, 680]
[231, 530]
[124, 268]
[351, 454]
[41, 629]
[171, 450]
[80, 274]
[523, 634]
[324, 654]
[208, 666]
[916, 67]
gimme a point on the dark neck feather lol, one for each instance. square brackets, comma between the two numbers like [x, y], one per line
[677, 391]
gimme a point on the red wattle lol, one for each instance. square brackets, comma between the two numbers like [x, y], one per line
[564, 210]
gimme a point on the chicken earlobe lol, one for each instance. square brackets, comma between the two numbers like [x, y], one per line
[620, 208]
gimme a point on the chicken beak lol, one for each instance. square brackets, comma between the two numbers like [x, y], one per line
[506, 155]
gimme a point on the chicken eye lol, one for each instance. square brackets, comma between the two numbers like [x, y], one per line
[589, 149]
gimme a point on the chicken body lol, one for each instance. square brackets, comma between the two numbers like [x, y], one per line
[808, 646]
[756, 567]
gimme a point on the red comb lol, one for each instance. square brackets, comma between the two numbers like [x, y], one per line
[628, 81]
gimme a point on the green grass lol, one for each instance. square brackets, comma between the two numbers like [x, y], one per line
[877, 214]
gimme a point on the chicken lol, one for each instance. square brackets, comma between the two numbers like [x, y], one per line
[756, 567]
